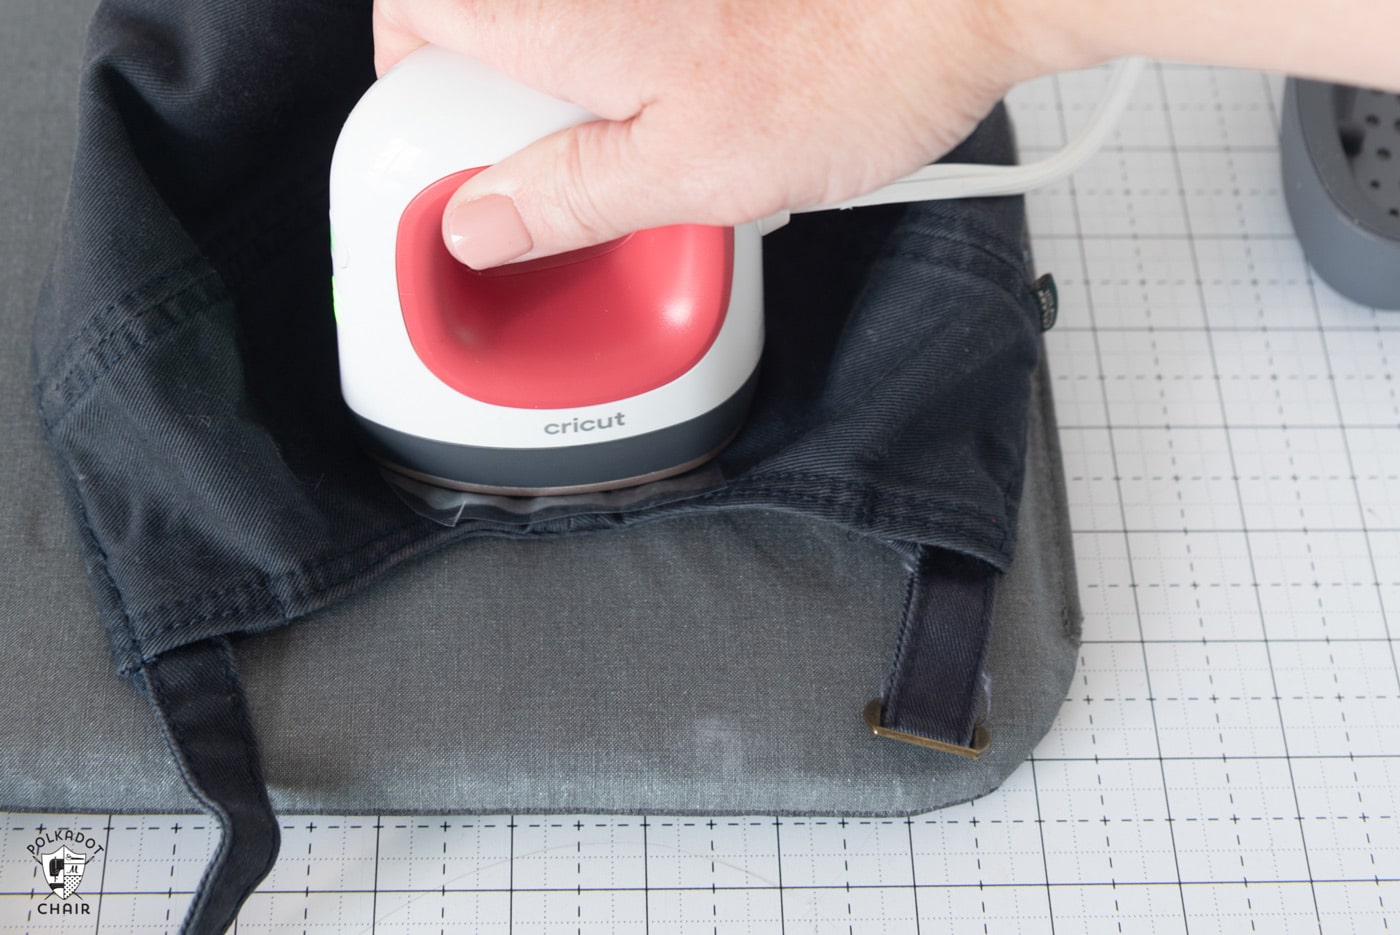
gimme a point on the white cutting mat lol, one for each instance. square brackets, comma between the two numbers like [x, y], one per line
[1229, 757]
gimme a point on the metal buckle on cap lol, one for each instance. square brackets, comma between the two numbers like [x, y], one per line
[874, 711]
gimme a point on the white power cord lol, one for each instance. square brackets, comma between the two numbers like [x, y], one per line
[974, 180]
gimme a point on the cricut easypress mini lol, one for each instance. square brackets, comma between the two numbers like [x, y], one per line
[601, 368]
[606, 367]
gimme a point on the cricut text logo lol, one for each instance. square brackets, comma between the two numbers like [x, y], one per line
[576, 426]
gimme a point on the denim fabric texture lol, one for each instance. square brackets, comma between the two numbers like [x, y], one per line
[184, 355]
[197, 697]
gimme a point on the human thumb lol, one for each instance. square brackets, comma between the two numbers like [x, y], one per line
[576, 188]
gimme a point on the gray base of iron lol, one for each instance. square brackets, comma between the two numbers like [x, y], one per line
[567, 469]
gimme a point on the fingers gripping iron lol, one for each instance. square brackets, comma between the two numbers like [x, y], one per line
[598, 369]
[603, 368]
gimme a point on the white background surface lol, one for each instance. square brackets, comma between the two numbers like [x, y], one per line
[1229, 757]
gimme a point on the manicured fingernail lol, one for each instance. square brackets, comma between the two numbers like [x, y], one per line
[486, 231]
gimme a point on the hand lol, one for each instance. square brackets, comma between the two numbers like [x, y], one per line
[712, 111]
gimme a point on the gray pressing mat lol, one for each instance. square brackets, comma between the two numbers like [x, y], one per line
[433, 690]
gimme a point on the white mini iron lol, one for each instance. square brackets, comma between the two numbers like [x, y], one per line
[602, 368]
[598, 369]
